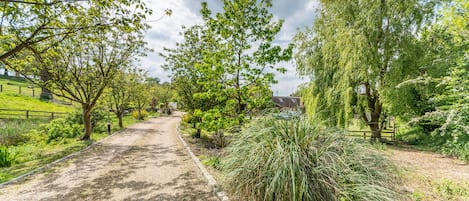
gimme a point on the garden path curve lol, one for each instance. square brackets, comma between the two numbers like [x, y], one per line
[144, 162]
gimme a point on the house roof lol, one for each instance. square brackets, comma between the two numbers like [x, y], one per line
[287, 101]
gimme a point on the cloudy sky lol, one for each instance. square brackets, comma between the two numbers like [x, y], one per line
[165, 32]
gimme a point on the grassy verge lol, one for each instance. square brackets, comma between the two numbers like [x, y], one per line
[37, 152]
[424, 188]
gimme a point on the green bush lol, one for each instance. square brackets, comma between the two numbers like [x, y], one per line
[76, 117]
[60, 129]
[6, 158]
[275, 159]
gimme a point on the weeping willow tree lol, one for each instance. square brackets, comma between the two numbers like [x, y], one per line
[352, 53]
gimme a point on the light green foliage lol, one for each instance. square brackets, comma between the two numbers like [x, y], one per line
[351, 44]
[163, 93]
[121, 92]
[6, 157]
[211, 161]
[296, 160]
[39, 25]
[139, 94]
[450, 190]
[225, 65]
[104, 37]
[14, 131]
[59, 129]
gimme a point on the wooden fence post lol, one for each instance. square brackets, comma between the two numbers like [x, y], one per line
[33, 92]
[27, 114]
[52, 115]
[364, 135]
[19, 87]
[1, 87]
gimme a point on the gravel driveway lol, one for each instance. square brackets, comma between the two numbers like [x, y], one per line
[145, 162]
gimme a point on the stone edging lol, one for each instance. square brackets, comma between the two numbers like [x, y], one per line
[52, 164]
[211, 181]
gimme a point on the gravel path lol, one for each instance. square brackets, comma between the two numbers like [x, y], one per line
[432, 165]
[423, 172]
[145, 162]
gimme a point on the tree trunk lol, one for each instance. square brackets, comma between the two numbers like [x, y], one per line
[375, 107]
[119, 116]
[374, 127]
[46, 94]
[139, 113]
[87, 122]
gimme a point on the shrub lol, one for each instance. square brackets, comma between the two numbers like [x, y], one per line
[76, 117]
[211, 161]
[143, 114]
[14, 131]
[60, 128]
[274, 159]
[6, 158]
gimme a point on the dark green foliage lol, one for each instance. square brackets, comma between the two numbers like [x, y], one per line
[275, 159]
[441, 86]
[6, 158]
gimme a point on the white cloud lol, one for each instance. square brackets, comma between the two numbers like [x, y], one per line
[165, 32]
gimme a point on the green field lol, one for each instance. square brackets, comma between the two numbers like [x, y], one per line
[17, 86]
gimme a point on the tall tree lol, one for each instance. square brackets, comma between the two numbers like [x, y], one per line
[121, 90]
[38, 25]
[224, 67]
[140, 96]
[82, 66]
[354, 46]
[245, 33]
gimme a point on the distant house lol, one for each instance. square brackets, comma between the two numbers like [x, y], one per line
[288, 103]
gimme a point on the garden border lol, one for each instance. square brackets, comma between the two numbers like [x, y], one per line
[211, 181]
[54, 163]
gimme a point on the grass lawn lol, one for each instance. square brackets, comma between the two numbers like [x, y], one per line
[17, 86]
[20, 102]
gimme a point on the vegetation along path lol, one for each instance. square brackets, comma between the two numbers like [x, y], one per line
[144, 162]
[431, 176]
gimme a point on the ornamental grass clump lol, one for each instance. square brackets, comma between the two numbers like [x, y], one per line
[274, 159]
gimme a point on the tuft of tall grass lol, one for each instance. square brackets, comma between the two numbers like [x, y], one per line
[6, 157]
[288, 160]
[14, 131]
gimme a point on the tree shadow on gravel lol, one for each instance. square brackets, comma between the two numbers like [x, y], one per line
[127, 161]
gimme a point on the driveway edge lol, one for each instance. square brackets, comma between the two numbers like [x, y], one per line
[52, 164]
[211, 181]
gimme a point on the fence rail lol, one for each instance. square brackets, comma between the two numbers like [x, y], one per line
[391, 134]
[26, 114]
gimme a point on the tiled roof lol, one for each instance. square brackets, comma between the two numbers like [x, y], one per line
[287, 101]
